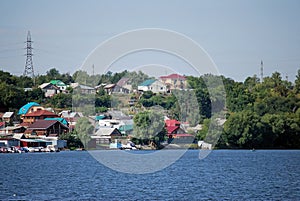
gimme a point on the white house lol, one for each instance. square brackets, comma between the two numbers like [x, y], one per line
[49, 89]
[152, 85]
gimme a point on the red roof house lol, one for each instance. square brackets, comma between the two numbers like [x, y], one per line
[174, 81]
[175, 132]
[38, 115]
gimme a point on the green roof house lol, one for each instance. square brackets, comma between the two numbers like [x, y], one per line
[62, 86]
[152, 85]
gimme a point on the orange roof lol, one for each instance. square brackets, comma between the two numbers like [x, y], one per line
[39, 113]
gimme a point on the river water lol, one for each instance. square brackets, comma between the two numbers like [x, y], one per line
[222, 175]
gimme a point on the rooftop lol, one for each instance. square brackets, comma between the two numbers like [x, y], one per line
[44, 124]
[173, 76]
[105, 131]
[57, 83]
[147, 82]
[122, 81]
[7, 114]
[39, 113]
[172, 122]
[25, 108]
[61, 120]
[109, 86]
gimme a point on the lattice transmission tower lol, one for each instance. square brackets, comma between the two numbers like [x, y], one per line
[29, 65]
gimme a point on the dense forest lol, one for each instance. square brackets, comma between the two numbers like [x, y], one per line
[260, 114]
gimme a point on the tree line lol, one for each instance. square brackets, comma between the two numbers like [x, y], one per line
[260, 113]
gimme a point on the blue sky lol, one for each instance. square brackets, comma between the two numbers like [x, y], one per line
[237, 34]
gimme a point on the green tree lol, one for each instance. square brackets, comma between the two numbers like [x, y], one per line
[297, 82]
[72, 139]
[148, 125]
[84, 129]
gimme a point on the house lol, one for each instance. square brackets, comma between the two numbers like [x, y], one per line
[123, 86]
[30, 118]
[49, 89]
[39, 141]
[7, 117]
[9, 130]
[71, 117]
[174, 81]
[28, 108]
[176, 134]
[61, 85]
[109, 88]
[106, 135]
[83, 89]
[48, 128]
[173, 127]
[9, 142]
[152, 85]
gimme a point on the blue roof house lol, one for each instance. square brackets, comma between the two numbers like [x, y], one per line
[23, 110]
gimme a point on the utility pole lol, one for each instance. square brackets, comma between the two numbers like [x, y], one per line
[29, 65]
